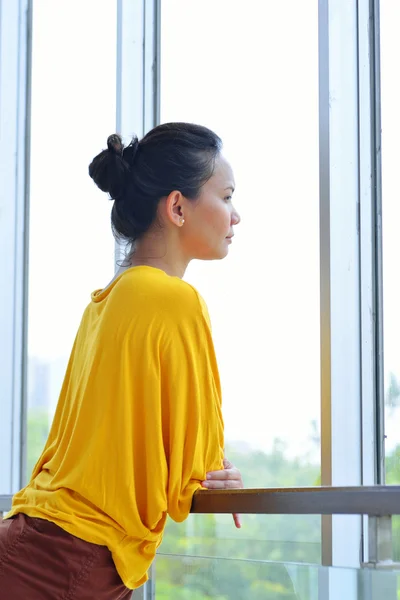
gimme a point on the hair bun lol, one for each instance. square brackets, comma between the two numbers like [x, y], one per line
[114, 144]
[109, 170]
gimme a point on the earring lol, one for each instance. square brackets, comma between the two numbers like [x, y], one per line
[181, 221]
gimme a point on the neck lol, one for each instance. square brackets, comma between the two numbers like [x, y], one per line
[152, 252]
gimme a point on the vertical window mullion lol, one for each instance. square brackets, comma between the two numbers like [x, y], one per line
[15, 49]
[341, 412]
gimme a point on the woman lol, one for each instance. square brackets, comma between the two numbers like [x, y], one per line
[138, 426]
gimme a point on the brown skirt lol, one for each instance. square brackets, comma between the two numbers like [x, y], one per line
[41, 561]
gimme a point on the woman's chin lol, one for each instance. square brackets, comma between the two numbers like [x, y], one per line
[223, 253]
[215, 253]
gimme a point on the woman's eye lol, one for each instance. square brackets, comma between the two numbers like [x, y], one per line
[228, 198]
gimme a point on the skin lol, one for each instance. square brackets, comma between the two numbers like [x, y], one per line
[187, 230]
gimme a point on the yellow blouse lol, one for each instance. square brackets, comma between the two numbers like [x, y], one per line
[138, 423]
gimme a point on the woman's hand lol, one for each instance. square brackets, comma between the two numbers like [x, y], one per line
[229, 478]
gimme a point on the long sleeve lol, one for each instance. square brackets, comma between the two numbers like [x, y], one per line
[192, 420]
[175, 421]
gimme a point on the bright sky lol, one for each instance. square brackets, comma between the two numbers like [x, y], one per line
[250, 73]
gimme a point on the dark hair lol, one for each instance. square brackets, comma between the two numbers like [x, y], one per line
[172, 156]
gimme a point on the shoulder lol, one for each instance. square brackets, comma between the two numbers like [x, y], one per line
[183, 300]
[169, 298]
[201, 305]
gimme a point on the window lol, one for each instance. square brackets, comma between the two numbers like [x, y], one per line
[71, 245]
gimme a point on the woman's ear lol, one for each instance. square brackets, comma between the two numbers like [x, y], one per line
[174, 208]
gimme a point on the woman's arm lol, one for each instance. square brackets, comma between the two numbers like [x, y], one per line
[193, 436]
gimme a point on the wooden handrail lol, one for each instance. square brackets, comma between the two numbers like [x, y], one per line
[373, 501]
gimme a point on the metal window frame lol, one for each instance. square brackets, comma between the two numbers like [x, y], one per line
[376, 235]
[371, 280]
[370, 205]
[15, 66]
[340, 270]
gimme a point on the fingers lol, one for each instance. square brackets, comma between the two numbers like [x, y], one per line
[225, 474]
[237, 520]
[223, 484]
[228, 478]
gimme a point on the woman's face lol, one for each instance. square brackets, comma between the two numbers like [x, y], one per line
[209, 221]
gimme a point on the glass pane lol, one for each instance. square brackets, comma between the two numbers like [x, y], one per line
[251, 73]
[390, 48]
[263, 537]
[71, 247]
[193, 578]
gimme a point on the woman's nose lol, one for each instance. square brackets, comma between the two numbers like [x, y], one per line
[235, 217]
